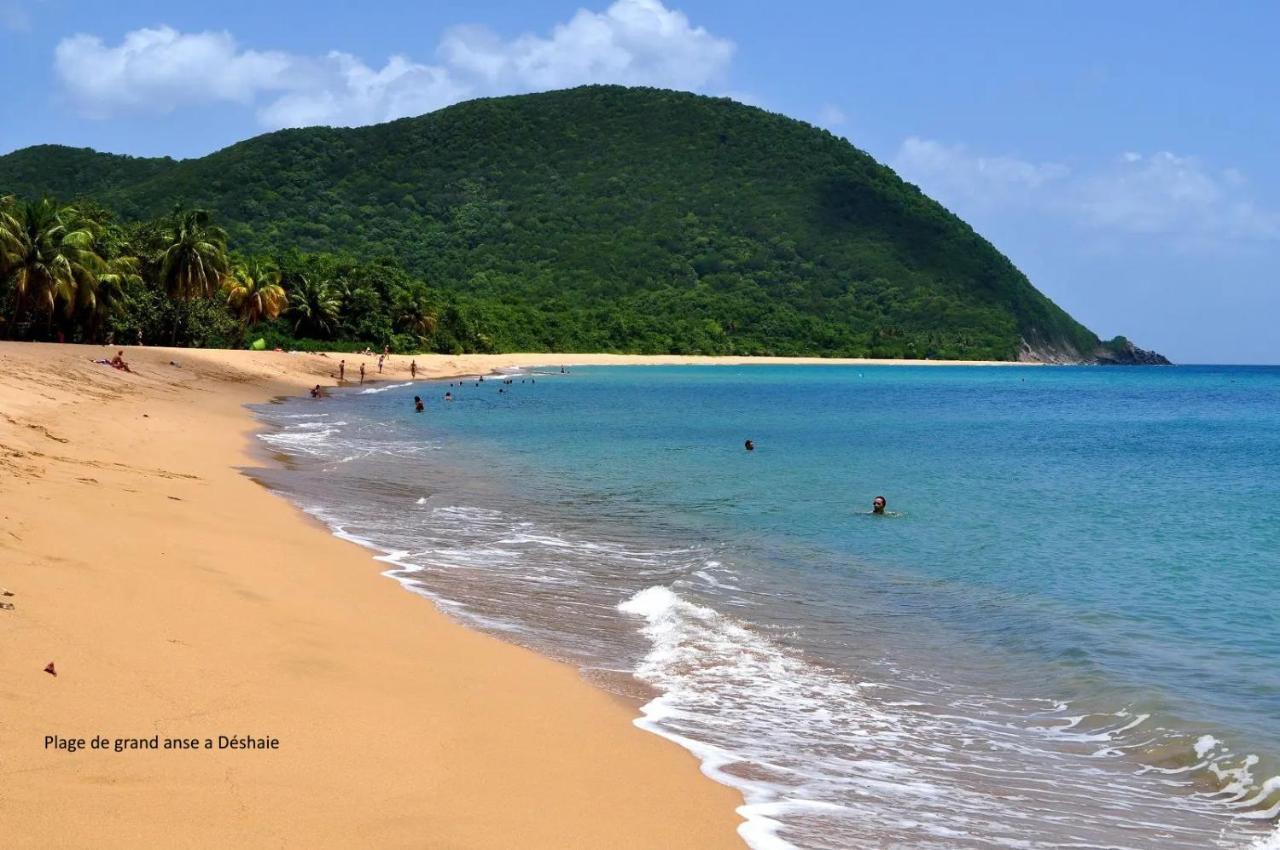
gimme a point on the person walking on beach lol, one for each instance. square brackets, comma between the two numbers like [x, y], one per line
[362, 373]
[413, 369]
[381, 357]
[342, 370]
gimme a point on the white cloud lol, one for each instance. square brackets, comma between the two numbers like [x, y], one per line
[831, 116]
[1163, 193]
[954, 174]
[159, 69]
[632, 42]
[1160, 194]
[342, 90]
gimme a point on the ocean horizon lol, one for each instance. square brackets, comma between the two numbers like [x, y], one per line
[1061, 634]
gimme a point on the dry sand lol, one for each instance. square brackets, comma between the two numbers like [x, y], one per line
[177, 598]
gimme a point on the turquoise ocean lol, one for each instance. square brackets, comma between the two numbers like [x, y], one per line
[1065, 633]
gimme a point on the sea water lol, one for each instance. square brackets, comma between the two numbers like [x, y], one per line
[1064, 633]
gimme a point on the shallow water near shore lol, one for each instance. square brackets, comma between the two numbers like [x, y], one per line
[1065, 636]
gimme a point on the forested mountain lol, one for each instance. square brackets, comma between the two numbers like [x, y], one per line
[610, 219]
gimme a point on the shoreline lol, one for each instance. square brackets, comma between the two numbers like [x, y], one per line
[181, 599]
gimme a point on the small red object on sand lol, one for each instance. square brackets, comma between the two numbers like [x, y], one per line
[49, 668]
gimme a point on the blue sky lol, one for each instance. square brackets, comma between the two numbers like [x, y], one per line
[1123, 155]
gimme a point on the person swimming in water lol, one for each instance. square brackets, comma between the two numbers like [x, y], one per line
[878, 504]
[417, 404]
[315, 391]
[448, 396]
[749, 445]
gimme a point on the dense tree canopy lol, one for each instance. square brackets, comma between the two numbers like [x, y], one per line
[599, 218]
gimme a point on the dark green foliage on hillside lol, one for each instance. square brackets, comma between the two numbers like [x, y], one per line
[608, 219]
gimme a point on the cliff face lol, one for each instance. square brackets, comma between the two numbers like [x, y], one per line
[1122, 352]
[1116, 352]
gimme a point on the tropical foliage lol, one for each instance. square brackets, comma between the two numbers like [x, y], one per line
[253, 291]
[600, 218]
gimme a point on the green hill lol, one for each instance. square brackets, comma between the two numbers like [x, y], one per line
[615, 219]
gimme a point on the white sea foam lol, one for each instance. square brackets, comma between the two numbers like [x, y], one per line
[375, 390]
[818, 756]
[1267, 842]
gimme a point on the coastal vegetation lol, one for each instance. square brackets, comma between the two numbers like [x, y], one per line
[600, 218]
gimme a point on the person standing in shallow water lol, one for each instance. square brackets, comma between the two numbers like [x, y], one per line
[417, 404]
[878, 504]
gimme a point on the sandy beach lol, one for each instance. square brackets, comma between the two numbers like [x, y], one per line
[181, 602]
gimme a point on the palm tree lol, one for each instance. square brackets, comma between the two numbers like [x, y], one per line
[194, 259]
[106, 294]
[254, 292]
[314, 306]
[47, 256]
[415, 314]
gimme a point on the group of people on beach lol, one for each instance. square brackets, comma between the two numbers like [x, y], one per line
[382, 359]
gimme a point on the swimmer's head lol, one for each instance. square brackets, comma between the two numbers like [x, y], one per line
[878, 504]
[750, 445]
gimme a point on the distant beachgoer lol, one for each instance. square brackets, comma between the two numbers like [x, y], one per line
[878, 504]
[448, 396]
[386, 351]
[139, 336]
[315, 391]
[381, 357]
[417, 404]
[749, 445]
[413, 369]
[342, 370]
[119, 363]
[362, 373]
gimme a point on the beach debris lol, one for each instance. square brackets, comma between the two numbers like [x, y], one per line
[51, 670]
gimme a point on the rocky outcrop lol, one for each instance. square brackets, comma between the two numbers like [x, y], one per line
[1115, 352]
[1122, 352]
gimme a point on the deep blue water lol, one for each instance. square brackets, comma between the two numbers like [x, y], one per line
[1065, 633]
